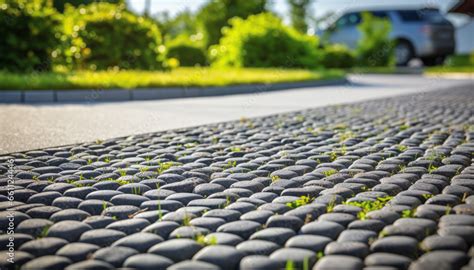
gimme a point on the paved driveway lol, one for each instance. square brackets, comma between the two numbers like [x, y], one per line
[26, 127]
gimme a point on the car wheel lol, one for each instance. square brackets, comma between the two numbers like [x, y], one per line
[403, 53]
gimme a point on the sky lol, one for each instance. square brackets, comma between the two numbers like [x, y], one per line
[319, 8]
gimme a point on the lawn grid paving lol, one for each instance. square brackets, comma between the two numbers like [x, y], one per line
[380, 183]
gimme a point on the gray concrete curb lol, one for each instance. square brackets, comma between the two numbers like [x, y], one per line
[105, 95]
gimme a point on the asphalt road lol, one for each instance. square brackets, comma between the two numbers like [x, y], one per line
[27, 127]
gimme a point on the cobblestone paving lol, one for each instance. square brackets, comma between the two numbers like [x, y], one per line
[383, 184]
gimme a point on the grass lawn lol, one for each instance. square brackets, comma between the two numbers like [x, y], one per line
[373, 70]
[147, 79]
[448, 69]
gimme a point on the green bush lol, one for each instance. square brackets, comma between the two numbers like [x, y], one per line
[337, 56]
[106, 36]
[264, 41]
[189, 53]
[27, 35]
[375, 48]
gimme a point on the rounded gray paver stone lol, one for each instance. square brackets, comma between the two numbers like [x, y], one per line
[34, 227]
[90, 265]
[147, 262]
[141, 241]
[50, 262]
[226, 257]
[444, 259]
[101, 237]
[190, 264]
[323, 228]
[43, 246]
[176, 249]
[314, 243]
[342, 262]
[257, 247]
[387, 259]
[436, 242]
[402, 245]
[114, 255]
[129, 226]
[68, 230]
[77, 251]
[258, 262]
[356, 249]
[242, 228]
[276, 235]
[297, 256]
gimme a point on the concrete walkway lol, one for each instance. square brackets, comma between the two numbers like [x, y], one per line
[26, 126]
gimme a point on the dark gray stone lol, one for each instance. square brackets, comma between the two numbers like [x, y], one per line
[43, 246]
[401, 245]
[388, 259]
[257, 247]
[356, 249]
[314, 243]
[276, 235]
[68, 230]
[225, 257]
[101, 237]
[147, 262]
[298, 256]
[176, 249]
[114, 255]
[242, 228]
[77, 251]
[90, 265]
[339, 262]
[50, 262]
[323, 228]
[258, 262]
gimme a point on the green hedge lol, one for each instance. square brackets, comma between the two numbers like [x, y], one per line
[104, 36]
[28, 35]
[337, 56]
[264, 41]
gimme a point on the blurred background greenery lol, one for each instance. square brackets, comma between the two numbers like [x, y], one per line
[74, 36]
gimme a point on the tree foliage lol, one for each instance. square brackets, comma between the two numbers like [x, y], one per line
[216, 14]
[61, 4]
[298, 14]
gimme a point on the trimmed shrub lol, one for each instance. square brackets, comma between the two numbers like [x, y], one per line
[264, 41]
[187, 53]
[337, 56]
[27, 35]
[106, 36]
[375, 48]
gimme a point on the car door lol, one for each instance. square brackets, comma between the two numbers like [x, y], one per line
[345, 30]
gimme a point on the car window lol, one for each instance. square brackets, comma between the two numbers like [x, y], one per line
[431, 15]
[410, 15]
[380, 14]
[348, 20]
